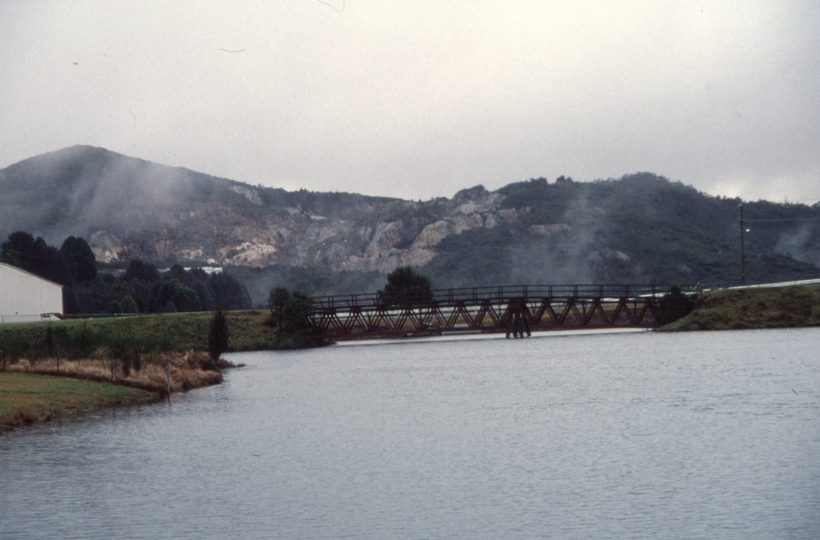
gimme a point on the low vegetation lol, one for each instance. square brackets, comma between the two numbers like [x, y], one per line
[728, 309]
[26, 398]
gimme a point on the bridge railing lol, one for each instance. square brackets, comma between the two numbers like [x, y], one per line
[475, 295]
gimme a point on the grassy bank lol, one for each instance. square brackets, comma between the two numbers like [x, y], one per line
[26, 398]
[728, 309]
[112, 361]
[131, 352]
[33, 391]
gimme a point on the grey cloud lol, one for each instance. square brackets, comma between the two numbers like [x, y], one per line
[421, 99]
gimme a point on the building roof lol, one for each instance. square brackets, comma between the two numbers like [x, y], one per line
[12, 267]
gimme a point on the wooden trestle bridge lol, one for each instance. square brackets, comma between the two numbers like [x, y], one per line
[515, 310]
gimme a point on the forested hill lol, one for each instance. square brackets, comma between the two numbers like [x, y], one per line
[639, 228]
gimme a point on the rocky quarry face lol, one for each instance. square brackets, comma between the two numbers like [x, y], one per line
[128, 208]
[369, 237]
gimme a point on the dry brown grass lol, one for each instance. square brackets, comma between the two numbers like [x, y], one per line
[189, 369]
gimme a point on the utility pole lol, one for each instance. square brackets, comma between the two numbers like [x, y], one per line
[742, 247]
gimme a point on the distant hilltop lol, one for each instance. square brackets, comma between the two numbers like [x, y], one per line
[640, 228]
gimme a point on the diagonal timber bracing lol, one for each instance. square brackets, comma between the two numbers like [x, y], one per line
[515, 310]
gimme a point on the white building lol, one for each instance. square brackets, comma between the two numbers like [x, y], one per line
[25, 297]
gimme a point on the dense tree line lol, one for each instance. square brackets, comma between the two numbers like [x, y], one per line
[74, 262]
[142, 288]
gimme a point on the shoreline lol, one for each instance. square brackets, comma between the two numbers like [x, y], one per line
[30, 394]
[44, 396]
[32, 398]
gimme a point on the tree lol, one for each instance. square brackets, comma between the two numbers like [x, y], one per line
[129, 305]
[218, 334]
[228, 292]
[172, 291]
[47, 261]
[277, 300]
[16, 249]
[141, 270]
[406, 285]
[35, 256]
[674, 305]
[80, 258]
[296, 314]
[290, 311]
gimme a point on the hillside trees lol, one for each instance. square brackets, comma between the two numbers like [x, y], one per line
[141, 270]
[170, 295]
[144, 289]
[21, 249]
[140, 289]
[73, 262]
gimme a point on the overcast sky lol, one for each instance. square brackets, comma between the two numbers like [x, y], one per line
[417, 99]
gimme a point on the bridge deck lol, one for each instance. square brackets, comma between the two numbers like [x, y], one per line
[516, 310]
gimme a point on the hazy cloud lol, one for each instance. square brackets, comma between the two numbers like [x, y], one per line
[420, 99]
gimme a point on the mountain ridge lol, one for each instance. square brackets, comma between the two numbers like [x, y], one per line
[639, 228]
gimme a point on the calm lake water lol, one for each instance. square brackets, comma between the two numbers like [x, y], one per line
[708, 435]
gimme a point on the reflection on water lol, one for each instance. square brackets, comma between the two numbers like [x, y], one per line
[711, 435]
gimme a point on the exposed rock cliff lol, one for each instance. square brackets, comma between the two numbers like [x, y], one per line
[129, 208]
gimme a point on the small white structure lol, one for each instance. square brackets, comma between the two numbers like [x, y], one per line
[25, 297]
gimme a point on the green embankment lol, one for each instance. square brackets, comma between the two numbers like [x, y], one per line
[171, 331]
[26, 398]
[730, 309]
